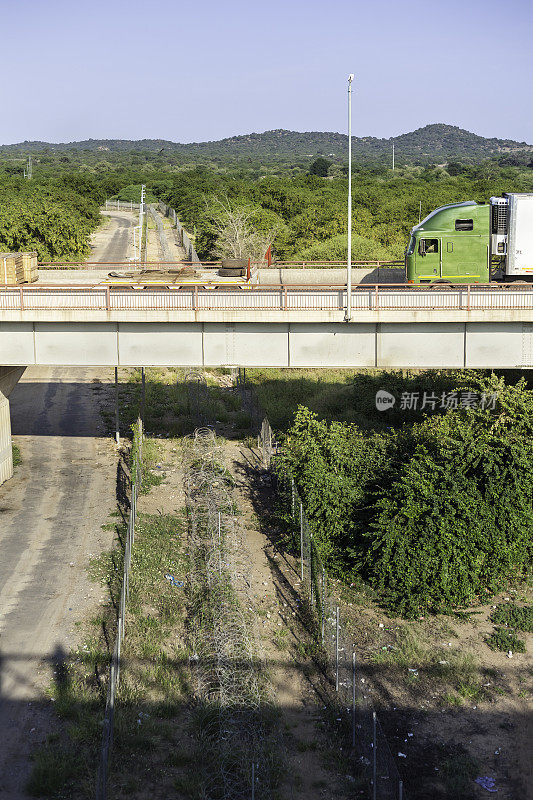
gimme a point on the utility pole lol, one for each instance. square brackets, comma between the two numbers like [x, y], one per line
[29, 171]
[393, 156]
[420, 212]
[349, 261]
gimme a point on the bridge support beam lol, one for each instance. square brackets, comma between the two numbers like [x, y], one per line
[6, 456]
[9, 377]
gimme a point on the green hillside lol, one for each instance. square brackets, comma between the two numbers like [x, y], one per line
[433, 143]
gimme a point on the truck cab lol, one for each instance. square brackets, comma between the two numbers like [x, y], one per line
[451, 245]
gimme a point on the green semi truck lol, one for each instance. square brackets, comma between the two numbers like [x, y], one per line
[474, 243]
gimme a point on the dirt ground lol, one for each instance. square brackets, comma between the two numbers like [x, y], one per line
[51, 513]
[297, 692]
[113, 241]
[154, 251]
[438, 723]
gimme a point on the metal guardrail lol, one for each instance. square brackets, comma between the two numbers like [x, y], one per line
[365, 297]
[114, 673]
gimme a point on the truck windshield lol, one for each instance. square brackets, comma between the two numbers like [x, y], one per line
[411, 246]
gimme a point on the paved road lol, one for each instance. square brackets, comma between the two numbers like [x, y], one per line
[114, 241]
[51, 515]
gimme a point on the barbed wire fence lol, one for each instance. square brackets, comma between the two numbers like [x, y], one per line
[183, 238]
[163, 241]
[372, 755]
[114, 671]
[228, 682]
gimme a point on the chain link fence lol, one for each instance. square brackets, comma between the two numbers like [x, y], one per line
[373, 759]
[114, 672]
[121, 205]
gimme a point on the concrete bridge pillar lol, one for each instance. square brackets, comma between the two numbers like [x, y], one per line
[6, 458]
[9, 377]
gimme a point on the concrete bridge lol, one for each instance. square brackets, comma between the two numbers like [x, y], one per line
[391, 327]
[276, 326]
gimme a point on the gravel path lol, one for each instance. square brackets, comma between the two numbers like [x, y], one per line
[113, 241]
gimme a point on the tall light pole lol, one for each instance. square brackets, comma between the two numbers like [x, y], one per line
[141, 221]
[349, 262]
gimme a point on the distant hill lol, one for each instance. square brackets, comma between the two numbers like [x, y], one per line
[433, 143]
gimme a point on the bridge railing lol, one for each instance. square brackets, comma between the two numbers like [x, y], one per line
[365, 297]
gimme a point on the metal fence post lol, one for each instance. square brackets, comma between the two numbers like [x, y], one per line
[311, 563]
[117, 412]
[323, 602]
[143, 392]
[337, 648]
[374, 756]
[302, 540]
[400, 790]
[293, 498]
[353, 696]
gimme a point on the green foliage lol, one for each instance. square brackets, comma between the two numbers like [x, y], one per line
[503, 639]
[336, 249]
[56, 211]
[517, 617]
[320, 167]
[433, 515]
[17, 458]
[52, 771]
[55, 219]
[310, 213]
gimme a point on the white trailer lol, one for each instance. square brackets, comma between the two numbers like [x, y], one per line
[512, 232]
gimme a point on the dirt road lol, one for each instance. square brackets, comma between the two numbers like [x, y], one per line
[51, 515]
[113, 241]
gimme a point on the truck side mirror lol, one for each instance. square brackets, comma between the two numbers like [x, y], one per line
[422, 247]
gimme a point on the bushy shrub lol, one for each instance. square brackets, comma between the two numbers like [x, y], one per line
[433, 515]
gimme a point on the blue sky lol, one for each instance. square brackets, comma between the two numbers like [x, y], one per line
[195, 71]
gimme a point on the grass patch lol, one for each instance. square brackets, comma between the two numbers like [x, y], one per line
[503, 639]
[345, 395]
[459, 771]
[54, 769]
[17, 458]
[176, 403]
[154, 683]
[519, 618]
[455, 673]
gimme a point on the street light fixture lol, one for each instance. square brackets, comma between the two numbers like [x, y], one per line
[349, 262]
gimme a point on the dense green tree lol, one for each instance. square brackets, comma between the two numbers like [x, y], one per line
[434, 514]
[320, 167]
